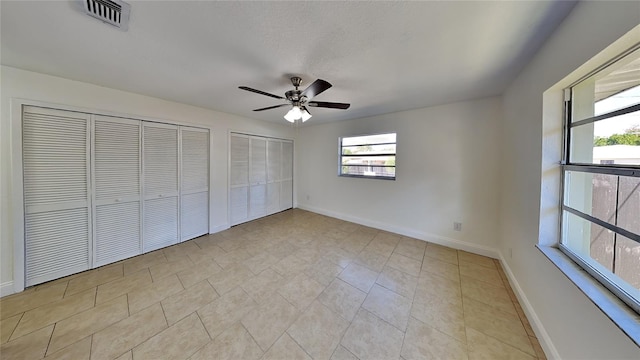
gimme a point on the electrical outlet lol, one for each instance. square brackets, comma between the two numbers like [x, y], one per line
[457, 226]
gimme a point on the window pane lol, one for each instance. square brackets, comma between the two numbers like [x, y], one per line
[369, 160]
[592, 194]
[628, 261]
[590, 241]
[369, 139]
[369, 171]
[613, 88]
[629, 204]
[614, 140]
[369, 149]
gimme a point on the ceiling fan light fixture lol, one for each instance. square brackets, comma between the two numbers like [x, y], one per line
[294, 114]
[305, 115]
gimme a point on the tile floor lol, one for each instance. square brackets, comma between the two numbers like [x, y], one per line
[295, 285]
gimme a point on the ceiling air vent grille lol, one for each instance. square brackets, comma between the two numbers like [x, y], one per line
[114, 12]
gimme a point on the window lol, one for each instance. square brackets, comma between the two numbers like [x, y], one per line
[370, 156]
[601, 176]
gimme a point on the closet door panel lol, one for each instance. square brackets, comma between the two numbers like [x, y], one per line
[273, 198]
[55, 147]
[257, 201]
[286, 194]
[160, 164]
[258, 164]
[117, 189]
[194, 199]
[238, 178]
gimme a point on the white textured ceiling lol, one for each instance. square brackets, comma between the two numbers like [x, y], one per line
[381, 57]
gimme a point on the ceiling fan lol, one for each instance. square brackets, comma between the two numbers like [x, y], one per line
[299, 99]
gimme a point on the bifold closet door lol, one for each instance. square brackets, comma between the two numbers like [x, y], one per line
[274, 170]
[55, 149]
[160, 172]
[116, 152]
[194, 186]
[257, 177]
[286, 190]
[238, 178]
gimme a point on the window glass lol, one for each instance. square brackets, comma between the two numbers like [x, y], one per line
[372, 156]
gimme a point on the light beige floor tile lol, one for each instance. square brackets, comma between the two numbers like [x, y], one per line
[260, 262]
[267, 322]
[226, 310]
[481, 273]
[442, 315]
[441, 268]
[483, 347]
[340, 257]
[135, 264]
[128, 333]
[301, 291]
[231, 258]
[371, 260]
[7, 326]
[359, 277]
[494, 296]
[19, 303]
[230, 278]
[79, 326]
[353, 246]
[173, 266]
[80, 350]
[198, 272]
[178, 251]
[442, 253]
[262, 287]
[126, 356]
[178, 341]
[380, 247]
[286, 348]
[187, 301]
[398, 281]
[94, 278]
[369, 337]
[309, 255]
[53, 312]
[282, 249]
[342, 298]
[430, 285]
[113, 289]
[537, 348]
[318, 330]
[337, 233]
[467, 257]
[405, 264]
[343, 354]
[233, 344]
[153, 293]
[388, 306]
[290, 266]
[424, 342]
[498, 324]
[324, 271]
[31, 346]
[411, 249]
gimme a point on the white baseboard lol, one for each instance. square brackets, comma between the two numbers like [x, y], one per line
[6, 288]
[436, 239]
[543, 337]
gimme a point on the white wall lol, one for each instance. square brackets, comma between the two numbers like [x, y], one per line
[575, 327]
[447, 170]
[33, 86]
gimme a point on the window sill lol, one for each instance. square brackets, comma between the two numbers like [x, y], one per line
[622, 315]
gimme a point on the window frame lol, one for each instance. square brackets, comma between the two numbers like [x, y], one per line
[395, 155]
[609, 169]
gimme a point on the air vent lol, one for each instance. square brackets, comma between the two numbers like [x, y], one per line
[114, 12]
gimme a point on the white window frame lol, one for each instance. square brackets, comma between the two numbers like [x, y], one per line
[395, 155]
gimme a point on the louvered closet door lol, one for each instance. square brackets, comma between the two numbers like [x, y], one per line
[286, 190]
[116, 144]
[160, 171]
[194, 189]
[274, 169]
[257, 177]
[56, 197]
[238, 178]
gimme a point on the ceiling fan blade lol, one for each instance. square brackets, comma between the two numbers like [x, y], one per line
[272, 107]
[315, 88]
[332, 105]
[259, 92]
